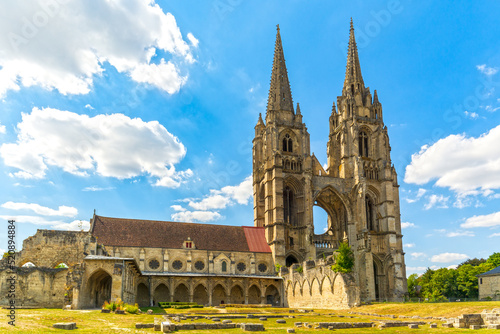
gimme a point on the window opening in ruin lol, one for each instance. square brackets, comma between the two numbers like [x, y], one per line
[288, 205]
[363, 144]
[224, 266]
[290, 259]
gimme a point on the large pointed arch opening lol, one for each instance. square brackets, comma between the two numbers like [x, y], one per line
[330, 218]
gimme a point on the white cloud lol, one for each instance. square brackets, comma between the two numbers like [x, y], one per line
[406, 225]
[216, 200]
[460, 234]
[177, 208]
[420, 193]
[491, 108]
[96, 188]
[494, 235]
[193, 40]
[486, 70]
[88, 106]
[66, 211]
[417, 255]
[163, 75]
[491, 220]
[453, 266]
[415, 270]
[409, 245]
[2, 128]
[449, 257]
[63, 45]
[76, 225]
[109, 145]
[36, 220]
[196, 216]
[438, 201]
[462, 164]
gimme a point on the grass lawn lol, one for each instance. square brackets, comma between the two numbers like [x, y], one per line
[92, 321]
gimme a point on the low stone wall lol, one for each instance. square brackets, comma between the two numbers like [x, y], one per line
[35, 287]
[320, 287]
[344, 325]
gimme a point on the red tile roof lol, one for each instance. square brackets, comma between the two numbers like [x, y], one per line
[165, 234]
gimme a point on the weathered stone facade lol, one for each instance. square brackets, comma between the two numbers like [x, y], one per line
[489, 284]
[358, 190]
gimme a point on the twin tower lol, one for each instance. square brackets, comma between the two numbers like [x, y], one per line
[358, 190]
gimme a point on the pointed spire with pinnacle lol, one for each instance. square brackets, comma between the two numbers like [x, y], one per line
[280, 95]
[353, 76]
[375, 97]
[260, 122]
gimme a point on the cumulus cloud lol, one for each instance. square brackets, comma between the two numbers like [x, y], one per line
[449, 257]
[108, 145]
[486, 70]
[411, 245]
[494, 235]
[464, 165]
[75, 225]
[471, 115]
[491, 220]
[417, 255]
[196, 216]
[63, 45]
[460, 234]
[65, 211]
[415, 270]
[420, 193]
[216, 200]
[406, 225]
[438, 201]
[2, 128]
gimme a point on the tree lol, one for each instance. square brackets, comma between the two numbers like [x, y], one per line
[344, 259]
[494, 259]
[473, 262]
[412, 285]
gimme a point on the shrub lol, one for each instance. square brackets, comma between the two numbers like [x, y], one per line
[132, 309]
[344, 259]
[299, 269]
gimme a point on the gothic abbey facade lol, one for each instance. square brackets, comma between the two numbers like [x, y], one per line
[358, 190]
[150, 261]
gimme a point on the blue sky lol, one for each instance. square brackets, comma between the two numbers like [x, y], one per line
[146, 110]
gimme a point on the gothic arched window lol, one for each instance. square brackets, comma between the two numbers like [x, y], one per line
[287, 144]
[224, 266]
[370, 214]
[363, 144]
[288, 204]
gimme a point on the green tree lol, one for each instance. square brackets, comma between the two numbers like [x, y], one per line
[494, 259]
[412, 285]
[344, 259]
[467, 280]
[474, 262]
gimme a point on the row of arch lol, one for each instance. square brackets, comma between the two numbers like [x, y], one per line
[202, 295]
[30, 264]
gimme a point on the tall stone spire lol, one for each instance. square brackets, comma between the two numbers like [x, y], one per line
[280, 95]
[353, 78]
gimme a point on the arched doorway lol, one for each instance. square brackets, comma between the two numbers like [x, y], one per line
[142, 296]
[290, 260]
[254, 295]
[272, 296]
[181, 293]
[237, 296]
[99, 288]
[200, 295]
[219, 295]
[161, 294]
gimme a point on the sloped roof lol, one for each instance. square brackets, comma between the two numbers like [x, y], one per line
[165, 234]
[495, 271]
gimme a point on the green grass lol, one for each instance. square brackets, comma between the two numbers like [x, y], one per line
[92, 321]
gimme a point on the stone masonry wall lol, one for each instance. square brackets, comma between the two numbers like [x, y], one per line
[48, 248]
[35, 287]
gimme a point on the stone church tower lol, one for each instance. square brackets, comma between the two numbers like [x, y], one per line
[358, 190]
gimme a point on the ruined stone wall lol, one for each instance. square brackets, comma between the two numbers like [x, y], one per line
[319, 287]
[35, 287]
[48, 248]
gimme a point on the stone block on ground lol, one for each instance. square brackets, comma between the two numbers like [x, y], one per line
[493, 326]
[252, 327]
[143, 325]
[215, 319]
[227, 321]
[298, 324]
[290, 330]
[150, 311]
[475, 327]
[413, 326]
[262, 318]
[65, 325]
[448, 325]
[433, 325]
[281, 321]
